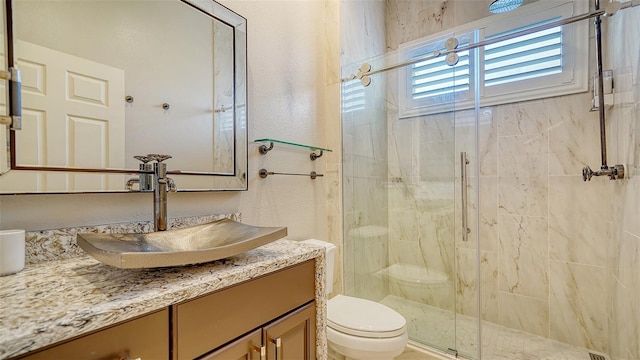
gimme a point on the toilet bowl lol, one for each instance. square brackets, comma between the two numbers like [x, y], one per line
[363, 329]
[360, 329]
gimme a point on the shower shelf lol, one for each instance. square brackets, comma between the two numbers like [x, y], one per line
[264, 149]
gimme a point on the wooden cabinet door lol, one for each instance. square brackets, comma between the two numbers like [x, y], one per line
[247, 347]
[145, 338]
[293, 337]
[206, 323]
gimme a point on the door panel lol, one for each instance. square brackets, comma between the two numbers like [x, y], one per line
[81, 126]
[402, 197]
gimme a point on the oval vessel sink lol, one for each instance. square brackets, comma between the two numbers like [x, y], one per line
[197, 244]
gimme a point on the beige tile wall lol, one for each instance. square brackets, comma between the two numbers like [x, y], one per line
[622, 54]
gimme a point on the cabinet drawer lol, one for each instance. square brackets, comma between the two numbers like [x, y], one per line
[146, 338]
[208, 322]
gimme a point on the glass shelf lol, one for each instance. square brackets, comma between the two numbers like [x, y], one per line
[264, 149]
[292, 144]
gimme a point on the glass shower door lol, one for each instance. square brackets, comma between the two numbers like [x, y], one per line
[402, 196]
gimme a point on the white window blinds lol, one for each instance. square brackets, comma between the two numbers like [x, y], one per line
[433, 78]
[524, 57]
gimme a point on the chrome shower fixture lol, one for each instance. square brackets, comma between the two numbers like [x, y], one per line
[503, 6]
[614, 172]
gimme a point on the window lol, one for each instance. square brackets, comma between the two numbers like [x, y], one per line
[432, 83]
[524, 57]
[546, 63]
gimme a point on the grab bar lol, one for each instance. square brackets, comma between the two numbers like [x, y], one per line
[463, 180]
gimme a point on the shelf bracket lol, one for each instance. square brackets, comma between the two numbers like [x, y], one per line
[314, 156]
[264, 149]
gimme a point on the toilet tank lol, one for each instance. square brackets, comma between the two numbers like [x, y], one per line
[330, 260]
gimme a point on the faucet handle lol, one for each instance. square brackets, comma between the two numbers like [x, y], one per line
[159, 157]
[587, 173]
[171, 185]
[144, 159]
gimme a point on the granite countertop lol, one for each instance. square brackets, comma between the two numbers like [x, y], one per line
[53, 301]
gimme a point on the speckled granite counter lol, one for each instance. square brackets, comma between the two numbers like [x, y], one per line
[56, 300]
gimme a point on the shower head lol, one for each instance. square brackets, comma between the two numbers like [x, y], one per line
[503, 6]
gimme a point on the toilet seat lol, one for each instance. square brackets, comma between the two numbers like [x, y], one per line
[364, 318]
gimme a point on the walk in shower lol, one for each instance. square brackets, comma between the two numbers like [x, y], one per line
[493, 139]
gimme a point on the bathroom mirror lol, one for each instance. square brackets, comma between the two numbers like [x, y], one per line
[104, 81]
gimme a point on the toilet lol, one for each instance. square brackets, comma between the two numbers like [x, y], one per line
[360, 329]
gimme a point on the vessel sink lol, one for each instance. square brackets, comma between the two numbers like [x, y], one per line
[194, 245]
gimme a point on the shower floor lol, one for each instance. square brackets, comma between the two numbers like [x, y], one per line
[435, 327]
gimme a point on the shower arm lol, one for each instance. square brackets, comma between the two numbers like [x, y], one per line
[615, 172]
[365, 70]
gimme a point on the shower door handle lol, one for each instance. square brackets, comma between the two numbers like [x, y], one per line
[463, 180]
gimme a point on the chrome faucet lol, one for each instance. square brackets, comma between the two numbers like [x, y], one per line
[153, 177]
[161, 185]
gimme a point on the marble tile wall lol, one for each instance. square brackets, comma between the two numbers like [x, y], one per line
[622, 55]
[421, 202]
[542, 257]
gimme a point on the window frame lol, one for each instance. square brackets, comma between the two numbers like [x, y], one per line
[574, 77]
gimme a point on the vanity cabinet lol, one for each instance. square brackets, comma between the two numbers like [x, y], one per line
[278, 308]
[146, 337]
[270, 317]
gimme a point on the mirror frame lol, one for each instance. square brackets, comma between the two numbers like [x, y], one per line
[224, 181]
